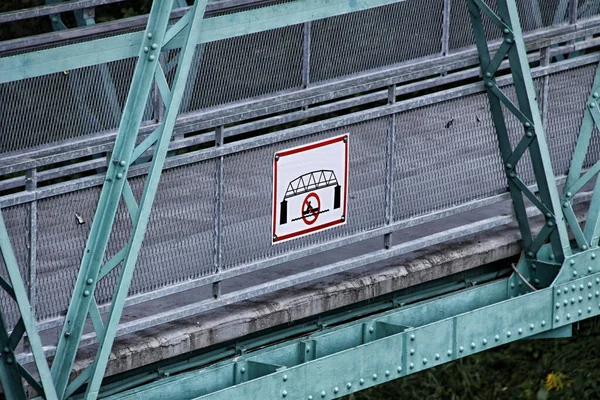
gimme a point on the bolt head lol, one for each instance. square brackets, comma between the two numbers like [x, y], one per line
[489, 84]
[484, 341]
[579, 312]
[509, 166]
[387, 372]
[593, 255]
[399, 369]
[349, 385]
[531, 327]
[154, 46]
[310, 397]
[149, 35]
[285, 378]
[592, 104]
[595, 95]
[569, 194]
[437, 356]
[543, 323]
[411, 365]
[412, 337]
[496, 338]
[449, 353]
[146, 49]
[323, 393]
[412, 351]
[473, 345]
[151, 57]
[284, 393]
[529, 134]
[520, 331]
[589, 309]
[122, 163]
[6, 349]
[508, 334]
[488, 74]
[243, 369]
[362, 381]
[557, 318]
[9, 360]
[527, 125]
[461, 349]
[89, 281]
[374, 376]
[371, 329]
[584, 247]
[336, 389]
[119, 176]
[67, 334]
[86, 293]
[568, 316]
[590, 270]
[574, 273]
[424, 361]
[506, 31]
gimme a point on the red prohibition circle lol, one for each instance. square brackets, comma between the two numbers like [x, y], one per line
[310, 212]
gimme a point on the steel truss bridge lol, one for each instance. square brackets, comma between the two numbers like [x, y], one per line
[136, 168]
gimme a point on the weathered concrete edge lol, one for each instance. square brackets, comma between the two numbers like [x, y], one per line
[290, 305]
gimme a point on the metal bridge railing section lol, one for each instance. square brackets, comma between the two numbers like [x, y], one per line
[414, 155]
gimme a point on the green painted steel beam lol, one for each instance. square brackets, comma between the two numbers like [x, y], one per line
[120, 47]
[342, 360]
[18, 292]
[83, 292]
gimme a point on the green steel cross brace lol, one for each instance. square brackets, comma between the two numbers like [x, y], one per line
[533, 137]
[147, 71]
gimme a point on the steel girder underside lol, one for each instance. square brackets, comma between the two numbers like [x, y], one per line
[554, 286]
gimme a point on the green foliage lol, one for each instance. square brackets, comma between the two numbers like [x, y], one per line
[557, 369]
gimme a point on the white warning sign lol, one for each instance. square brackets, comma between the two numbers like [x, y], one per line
[310, 186]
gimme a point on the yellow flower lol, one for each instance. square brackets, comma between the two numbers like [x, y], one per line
[555, 381]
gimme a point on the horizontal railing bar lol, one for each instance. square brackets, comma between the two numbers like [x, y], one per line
[304, 277]
[331, 245]
[65, 58]
[118, 26]
[253, 108]
[124, 46]
[50, 9]
[292, 133]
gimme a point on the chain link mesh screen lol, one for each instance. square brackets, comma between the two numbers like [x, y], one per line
[51, 108]
[17, 224]
[242, 67]
[178, 244]
[373, 38]
[445, 154]
[534, 14]
[247, 195]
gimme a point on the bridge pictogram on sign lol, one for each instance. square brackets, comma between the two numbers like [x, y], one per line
[309, 188]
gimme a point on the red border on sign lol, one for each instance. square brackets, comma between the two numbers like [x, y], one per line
[300, 150]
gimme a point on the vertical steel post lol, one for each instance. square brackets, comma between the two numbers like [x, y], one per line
[446, 27]
[219, 141]
[389, 179]
[31, 186]
[306, 42]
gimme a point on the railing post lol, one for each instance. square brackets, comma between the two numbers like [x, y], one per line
[573, 5]
[389, 180]
[446, 27]
[31, 186]
[306, 38]
[219, 140]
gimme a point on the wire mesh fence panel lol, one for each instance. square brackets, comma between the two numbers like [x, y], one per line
[567, 96]
[18, 227]
[242, 67]
[248, 194]
[534, 14]
[374, 38]
[445, 155]
[588, 9]
[178, 244]
[50, 108]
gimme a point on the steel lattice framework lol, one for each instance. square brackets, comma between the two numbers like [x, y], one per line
[555, 284]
